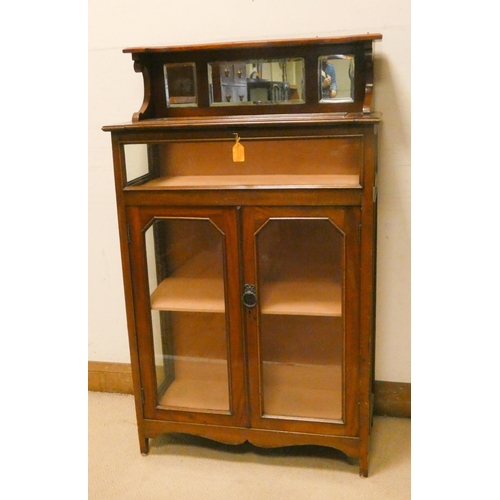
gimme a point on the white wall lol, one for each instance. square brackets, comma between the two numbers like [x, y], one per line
[115, 93]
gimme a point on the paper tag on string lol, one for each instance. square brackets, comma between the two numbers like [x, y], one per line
[238, 151]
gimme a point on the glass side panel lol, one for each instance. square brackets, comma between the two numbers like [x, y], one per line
[256, 82]
[186, 280]
[300, 282]
[180, 85]
[336, 78]
[136, 161]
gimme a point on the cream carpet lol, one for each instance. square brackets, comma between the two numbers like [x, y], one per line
[185, 467]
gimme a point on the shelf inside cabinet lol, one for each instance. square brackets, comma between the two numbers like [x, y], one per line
[302, 391]
[199, 384]
[196, 286]
[305, 298]
[250, 181]
[189, 294]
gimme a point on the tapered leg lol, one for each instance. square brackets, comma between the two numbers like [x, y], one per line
[144, 444]
[363, 465]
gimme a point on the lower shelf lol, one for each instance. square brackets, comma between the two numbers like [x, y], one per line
[200, 384]
[289, 390]
[302, 391]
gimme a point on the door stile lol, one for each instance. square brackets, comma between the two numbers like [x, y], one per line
[140, 297]
[251, 315]
[236, 348]
[352, 299]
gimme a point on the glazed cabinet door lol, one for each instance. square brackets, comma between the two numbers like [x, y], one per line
[301, 298]
[188, 313]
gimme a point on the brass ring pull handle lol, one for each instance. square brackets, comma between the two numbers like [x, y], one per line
[249, 297]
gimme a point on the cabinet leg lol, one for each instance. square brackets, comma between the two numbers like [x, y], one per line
[144, 444]
[363, 465]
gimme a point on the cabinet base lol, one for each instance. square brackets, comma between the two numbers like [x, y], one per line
[352, 447]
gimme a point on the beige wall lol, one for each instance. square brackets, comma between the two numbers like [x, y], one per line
[115, 92]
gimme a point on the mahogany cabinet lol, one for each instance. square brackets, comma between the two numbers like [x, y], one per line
[248, 240]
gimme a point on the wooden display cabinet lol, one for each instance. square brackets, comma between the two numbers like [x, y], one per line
[247, 232]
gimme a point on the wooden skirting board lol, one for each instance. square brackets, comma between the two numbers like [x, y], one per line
[110, 377]
[392, 399]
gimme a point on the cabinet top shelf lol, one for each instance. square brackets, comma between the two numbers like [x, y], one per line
[247, 45]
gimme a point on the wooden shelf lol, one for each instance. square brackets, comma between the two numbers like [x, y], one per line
[196, 286]
[251, 181]
[308, 298]
[200, 384]
[304, 298]
[207, 295]
[189, 294]
[289, 390]
[302, 391]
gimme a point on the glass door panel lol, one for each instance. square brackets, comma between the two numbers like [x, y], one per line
[188, 313]
[300, 273]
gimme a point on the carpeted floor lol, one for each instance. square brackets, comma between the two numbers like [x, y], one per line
[184, 467]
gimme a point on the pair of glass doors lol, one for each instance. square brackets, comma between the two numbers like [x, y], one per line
[247, 317]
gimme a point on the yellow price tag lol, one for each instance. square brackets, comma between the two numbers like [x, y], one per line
[238, 150]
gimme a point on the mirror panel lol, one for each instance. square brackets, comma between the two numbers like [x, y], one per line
[256, 82]
[336, 78]
[180, 85]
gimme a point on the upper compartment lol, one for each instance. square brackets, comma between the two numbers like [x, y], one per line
[320, 75]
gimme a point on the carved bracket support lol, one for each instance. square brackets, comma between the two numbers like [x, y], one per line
[145, 110]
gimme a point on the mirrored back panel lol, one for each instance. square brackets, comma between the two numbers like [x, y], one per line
[256, 82]
[328, 75]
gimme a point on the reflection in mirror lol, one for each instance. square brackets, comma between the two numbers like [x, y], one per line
[277, 81]
[336, 78]
[180, 84]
